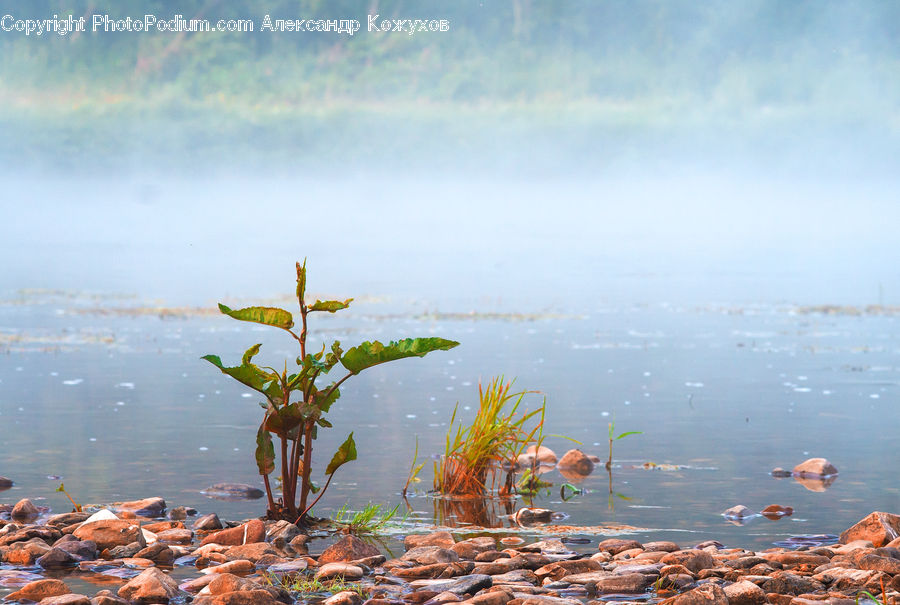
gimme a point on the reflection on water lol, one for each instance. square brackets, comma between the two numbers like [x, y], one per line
[722, 397]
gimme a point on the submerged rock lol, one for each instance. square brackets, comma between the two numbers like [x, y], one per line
[38, 590]
[233, 491]
[5, 483]
[780, 472]
[576, 462]
[148, 507]
[24, 510]
[774, 512]
[739, 512]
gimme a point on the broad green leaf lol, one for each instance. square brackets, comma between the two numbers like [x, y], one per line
[269, 316]
[323, 403]
[368, 354]
[249, 374]
[265, 452]
[284, 420]
[628, 433]
[345, 453]
[301, 281]
[329, 305]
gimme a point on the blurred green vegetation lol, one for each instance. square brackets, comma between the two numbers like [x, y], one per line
[575, 79]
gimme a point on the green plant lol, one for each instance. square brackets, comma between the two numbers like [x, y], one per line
[306, 585]
[62, 488]
[612, 431]
[294, 404]
[414, 469]
[367, 521]
[494, 439]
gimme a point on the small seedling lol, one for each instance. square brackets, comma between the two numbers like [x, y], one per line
[612, 432]
[414, 470]
[62, 488]
[310, 585]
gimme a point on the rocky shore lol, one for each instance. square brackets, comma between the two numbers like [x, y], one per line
[134, 549]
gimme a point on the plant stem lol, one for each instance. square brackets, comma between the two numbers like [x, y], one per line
[269, 495]
[307, 464]
[321, 493]
[287, 497]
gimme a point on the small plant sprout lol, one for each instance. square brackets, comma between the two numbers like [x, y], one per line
[295, 405]
[414, 469]
[62, 488]
[612, 437]
[369, 520]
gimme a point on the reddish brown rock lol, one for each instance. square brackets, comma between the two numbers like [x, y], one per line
[576, 461]
[240, 597]
[878, 528]
[544, 455]
[228, 582]
[339, 569]
[25, 553]
[240, 567]
[631, 583]
[796, 558]
[348, 548]
[66, 599]
[148, 507]
[24, 510]
[693, 559]
[439, 538]
[560, 569]
[248, 533]
[109, 533]
[745, 593]
[251, 552]
[160, 526]
[814, 467]
[888, 565]
[773, 512]
[661, 546]
[708, 594]
[39, 590]
[105, 597]
[471, 548]
[616, 545]
[176, 536]
[151, 586]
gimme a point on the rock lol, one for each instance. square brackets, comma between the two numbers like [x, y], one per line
[248, 533]
[784, 582]
[348, 548]
[57, 558]
[439, 538]
[180, 513]
[694, 560]
[65, 519]
[241, 597]
[148, 507]
[39, 590]
[251, 552]
[560, 569]
[110, 533]
[745, 593]
[176, 536]
[105, 597]
[661, 546]
[290, 567]
[774, 512]
[543, 454]
[123, 552]
[25, 553]
[575, 460]
[207, 522]
[66, 599]
[236, 567]
[738, 512]
[627, 583]
[426, 555]
[228, 582]
[471, 548]
[5, 483]
[151, 586]
[780, 472]
[529, 516]
[616, 545]
[24, 510]
[489, 598]
[285, 530]
[232, 491]
[159, 553]
[469, 584]
[707, 594]
[161, 526]
[345, 597]
[815, 468]
[339, 569]
[888, 565]
[877, 527]
[82, 550]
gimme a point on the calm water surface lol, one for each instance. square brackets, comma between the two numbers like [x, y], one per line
[121, 406]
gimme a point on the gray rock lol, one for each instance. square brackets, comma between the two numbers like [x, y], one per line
[426, 555]
[208, 522]
[232, 491]
[464, 584]
[282, 529]
[125, 552]
[57, 558]
[82, 550]
[5, 483]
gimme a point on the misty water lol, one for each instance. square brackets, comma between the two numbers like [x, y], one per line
[684, 309]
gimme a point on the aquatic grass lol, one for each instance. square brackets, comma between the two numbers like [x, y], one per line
[475, 454]
[311, 585]
[414, 470]
[369, 520]
[612, 432]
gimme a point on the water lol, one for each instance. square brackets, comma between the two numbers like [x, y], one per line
[675, 311]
